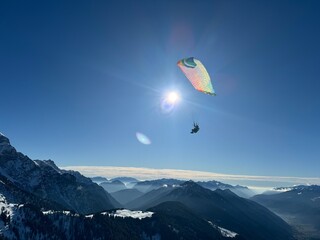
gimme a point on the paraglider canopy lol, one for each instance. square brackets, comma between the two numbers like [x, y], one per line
[197, 74]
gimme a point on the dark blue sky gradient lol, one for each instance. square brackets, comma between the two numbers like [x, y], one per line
[78, 79]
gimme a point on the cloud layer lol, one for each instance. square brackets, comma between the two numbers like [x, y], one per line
[151, 173]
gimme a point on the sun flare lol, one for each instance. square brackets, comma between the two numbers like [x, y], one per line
[173, 97]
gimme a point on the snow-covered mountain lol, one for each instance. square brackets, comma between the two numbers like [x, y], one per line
[170, 220]
[67, 189]
[298, 188]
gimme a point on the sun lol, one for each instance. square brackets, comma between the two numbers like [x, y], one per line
[172, 97]
[169, 102]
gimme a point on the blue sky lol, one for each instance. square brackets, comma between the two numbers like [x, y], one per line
[78, 79]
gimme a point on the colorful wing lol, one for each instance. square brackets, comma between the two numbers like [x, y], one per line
[196, 73]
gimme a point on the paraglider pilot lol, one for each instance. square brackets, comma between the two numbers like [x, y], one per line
[195, 128]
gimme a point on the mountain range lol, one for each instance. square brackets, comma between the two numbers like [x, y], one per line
[225, 209]
[34, 192]
[122, 183]
[298, 205]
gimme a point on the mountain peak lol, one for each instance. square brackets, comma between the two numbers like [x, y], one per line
[49, 164]
[44, 179]
[191, 187]
[117, 182]
[5, 144]
[4, 139]
[189, 183]
[52, 164]
[226, 192]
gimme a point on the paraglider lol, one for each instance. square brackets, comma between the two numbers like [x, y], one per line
[198, 76]
[195, 128]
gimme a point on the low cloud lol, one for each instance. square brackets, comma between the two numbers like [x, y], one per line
[152, 173]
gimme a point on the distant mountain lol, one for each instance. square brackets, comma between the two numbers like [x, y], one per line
[213, 185]
[229, 211]
[99, 179]
[149, 185]
[147, 200]
[44, 180]
[298, 205]
[126, 195]
[241, 191]
[128, 181]
[125, 180]
[113, 186]
[146, 186]
[298, 188]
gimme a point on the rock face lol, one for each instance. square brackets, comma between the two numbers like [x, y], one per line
[5, 144]
[43, 179]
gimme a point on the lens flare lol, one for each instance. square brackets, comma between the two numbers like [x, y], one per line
[143, 138]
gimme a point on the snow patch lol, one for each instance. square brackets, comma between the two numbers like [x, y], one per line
[284, 189]
[299, 193]
[5, 207]
[128, 213]
[63, 212]
[224, 232]
[48, 212]
[9, 214]
[227, 233]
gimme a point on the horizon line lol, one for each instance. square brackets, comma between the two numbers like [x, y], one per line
[143, 173]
